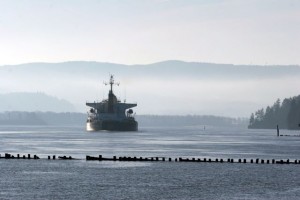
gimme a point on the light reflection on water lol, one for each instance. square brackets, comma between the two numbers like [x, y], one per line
[80, 179]
[172, 142]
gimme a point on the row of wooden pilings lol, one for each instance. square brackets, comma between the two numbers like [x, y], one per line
[162, 159]
[10, 156]
[206, 160]
[35, 157]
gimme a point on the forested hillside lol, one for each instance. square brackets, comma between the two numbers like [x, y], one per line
[285, 114]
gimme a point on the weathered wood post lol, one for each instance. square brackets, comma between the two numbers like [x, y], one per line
[53, 157]
[28, 156]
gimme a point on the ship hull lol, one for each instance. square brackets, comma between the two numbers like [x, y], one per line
[112, 125]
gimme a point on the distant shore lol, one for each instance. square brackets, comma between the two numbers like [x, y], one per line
[72, 118]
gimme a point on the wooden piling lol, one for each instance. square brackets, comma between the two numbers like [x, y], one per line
[251, 161]
[18, 155]
[53, 157]
[245, 161]
[114, 158]
[100, 157]
[240, 160]
[170, 159]
[28, 156]
[257, 160]
[277, 130]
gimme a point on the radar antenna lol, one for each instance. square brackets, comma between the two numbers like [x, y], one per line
[111, 83]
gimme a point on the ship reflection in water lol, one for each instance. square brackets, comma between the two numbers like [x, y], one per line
[110, 114]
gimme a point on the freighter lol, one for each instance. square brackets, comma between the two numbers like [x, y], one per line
[111, 114]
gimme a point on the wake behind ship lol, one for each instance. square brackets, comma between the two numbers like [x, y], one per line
[110, 114]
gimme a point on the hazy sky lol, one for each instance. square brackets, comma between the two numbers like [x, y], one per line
[147, 31]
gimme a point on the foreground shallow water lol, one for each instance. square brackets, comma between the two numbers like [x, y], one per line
[80, 179]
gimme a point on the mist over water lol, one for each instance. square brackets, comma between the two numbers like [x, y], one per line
[166, 88]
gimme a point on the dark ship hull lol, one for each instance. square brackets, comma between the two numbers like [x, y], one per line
[112, 125]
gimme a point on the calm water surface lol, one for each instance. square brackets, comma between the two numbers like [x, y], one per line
[79, 179]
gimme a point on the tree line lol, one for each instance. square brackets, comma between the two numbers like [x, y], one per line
[285, 114]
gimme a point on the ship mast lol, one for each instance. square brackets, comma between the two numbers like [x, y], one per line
[111, 83]
[111, 97]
